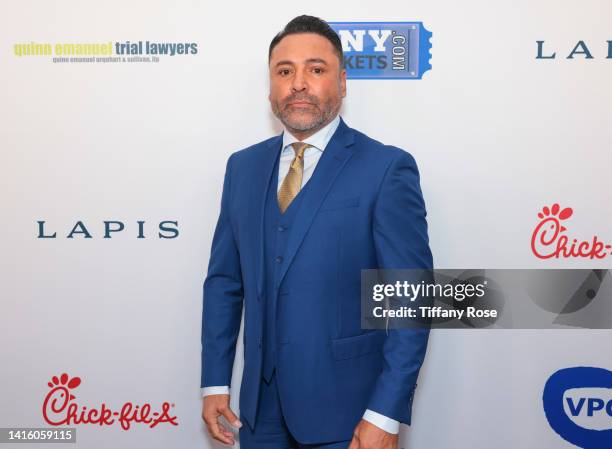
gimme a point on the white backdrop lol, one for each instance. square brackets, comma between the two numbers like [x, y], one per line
[497, 135]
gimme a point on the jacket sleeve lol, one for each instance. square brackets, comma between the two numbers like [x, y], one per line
[400, 237]
[223, 296]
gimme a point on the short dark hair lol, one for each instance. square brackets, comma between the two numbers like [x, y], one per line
[310, 24]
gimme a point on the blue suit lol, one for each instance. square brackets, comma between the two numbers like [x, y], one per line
[363, 208]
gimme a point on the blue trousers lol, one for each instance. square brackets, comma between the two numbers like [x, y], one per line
[271, 431]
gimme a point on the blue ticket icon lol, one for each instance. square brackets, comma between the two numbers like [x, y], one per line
[384, 50]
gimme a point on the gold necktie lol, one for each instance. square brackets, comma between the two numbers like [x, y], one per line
[293, 181]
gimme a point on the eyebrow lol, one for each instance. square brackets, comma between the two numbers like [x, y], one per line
[309, 61]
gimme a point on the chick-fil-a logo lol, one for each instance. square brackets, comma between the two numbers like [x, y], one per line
[549, 239]
[60, 408]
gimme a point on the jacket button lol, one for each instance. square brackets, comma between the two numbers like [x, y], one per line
[281, 228]
[279, 259]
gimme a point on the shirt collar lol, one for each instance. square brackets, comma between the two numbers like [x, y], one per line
[319, 140]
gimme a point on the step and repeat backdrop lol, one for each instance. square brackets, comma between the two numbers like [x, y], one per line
[116, 121]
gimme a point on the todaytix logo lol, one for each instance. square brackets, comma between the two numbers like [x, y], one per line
[384, 50]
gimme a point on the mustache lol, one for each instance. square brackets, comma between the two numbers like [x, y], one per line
[301, 97]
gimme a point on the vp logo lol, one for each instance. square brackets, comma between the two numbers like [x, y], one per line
[578, 406]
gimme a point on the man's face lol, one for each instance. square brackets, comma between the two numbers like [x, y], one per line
[306, 83]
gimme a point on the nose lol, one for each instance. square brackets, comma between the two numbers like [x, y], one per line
[298, 83]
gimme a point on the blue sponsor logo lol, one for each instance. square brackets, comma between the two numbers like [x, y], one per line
[578, 406]
[384, 50]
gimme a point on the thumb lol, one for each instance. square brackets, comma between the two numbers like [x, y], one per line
[354, 443]
[231, 418]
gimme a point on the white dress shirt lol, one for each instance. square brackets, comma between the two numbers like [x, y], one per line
[319, 141]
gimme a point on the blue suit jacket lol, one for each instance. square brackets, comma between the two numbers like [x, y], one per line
[364, 209]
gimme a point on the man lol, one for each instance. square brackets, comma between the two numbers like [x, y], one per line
[301, 214]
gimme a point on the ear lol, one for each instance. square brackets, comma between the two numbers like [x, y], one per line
[343, 83]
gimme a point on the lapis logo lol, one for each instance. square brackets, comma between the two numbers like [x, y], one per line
[384, 50]
[578, 406]
[167, 229]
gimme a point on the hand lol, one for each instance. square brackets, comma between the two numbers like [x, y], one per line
[214, 406]
[369, 436]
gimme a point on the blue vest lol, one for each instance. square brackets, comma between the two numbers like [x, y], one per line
[276, 232]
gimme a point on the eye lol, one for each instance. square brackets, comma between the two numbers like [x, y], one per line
[318, 70]
[284, 72]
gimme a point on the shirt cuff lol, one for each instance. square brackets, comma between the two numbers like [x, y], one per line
[389, 425]
[215, 390]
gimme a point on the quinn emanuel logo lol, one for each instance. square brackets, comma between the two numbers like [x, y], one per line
[578, 406]
[104, 52]
[59, 408]
[549, 239]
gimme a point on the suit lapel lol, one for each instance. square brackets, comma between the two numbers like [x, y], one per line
[333, 159]
[258, 203]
